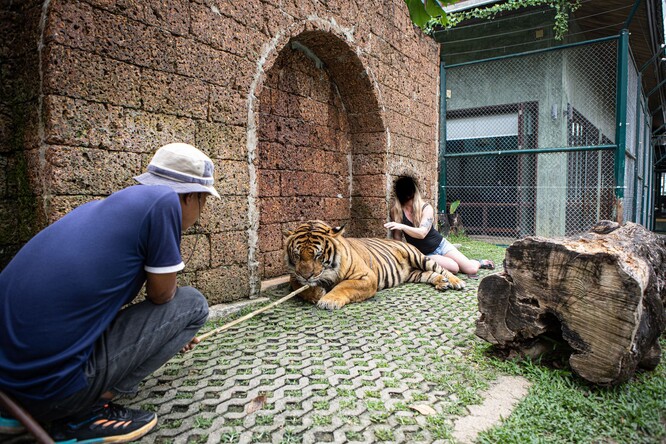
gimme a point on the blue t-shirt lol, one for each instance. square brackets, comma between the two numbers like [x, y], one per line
[67, 284]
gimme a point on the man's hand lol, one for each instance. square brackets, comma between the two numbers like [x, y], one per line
[190, 345]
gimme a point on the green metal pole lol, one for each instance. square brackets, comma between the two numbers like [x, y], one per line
[441, 205]
[621, 121]
[640, 155]
[631, 14]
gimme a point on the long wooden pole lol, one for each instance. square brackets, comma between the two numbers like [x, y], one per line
[24, 418]
[249, 315]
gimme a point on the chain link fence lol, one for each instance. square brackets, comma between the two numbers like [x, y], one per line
[530, 142]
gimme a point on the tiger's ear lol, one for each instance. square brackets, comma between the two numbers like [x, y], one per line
[287, 233]
[338, 231]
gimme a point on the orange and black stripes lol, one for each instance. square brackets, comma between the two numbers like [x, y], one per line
[318, 255]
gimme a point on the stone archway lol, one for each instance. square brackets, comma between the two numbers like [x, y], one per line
[321, 145]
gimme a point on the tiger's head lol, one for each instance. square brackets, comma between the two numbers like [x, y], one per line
[311, 253]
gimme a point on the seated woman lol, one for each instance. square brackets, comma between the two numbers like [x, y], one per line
[414, 218]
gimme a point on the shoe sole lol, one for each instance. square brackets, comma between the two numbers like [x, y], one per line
[11, 426]
[11, 430]
[136, 434]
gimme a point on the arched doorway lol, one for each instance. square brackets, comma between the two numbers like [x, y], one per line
[321, 145]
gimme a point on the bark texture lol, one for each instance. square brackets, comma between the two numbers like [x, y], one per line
[602, 292]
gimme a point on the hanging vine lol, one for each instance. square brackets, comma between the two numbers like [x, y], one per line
[428, 14]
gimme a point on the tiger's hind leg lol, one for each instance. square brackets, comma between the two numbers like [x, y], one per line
[441, 281]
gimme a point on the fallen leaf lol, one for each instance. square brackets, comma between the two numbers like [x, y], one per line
[256, 404]
[423, 409]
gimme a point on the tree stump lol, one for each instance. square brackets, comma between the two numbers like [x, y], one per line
[602, 292]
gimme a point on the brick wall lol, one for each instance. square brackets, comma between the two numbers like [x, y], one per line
[308, 109]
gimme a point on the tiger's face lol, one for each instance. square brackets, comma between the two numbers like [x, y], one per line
[310, 253]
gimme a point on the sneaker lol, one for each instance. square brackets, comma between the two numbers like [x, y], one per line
[9, 425]
[486, 264]
[107, 422]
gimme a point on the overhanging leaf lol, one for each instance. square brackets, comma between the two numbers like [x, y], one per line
[417, 12]
[433, 9]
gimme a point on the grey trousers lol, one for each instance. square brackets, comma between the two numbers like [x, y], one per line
[139, 341]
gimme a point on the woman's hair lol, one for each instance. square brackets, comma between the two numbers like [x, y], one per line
[405, 189]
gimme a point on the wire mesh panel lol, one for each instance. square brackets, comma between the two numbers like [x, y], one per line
[505, 199]
[530, 141]
[630, 175]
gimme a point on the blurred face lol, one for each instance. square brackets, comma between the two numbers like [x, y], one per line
[404, 189]
[192, 205]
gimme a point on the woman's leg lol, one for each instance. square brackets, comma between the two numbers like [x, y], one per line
[445, 262]
[467, 266]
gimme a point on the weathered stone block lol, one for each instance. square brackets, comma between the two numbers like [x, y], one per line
[174, 94]
[228, 106]
[20, 30]
[268, 183]
[288, 209]
[228, 214]
[369, 164]
[279, 157]
[228, 248]
[359, 227]
[195, 251]
[224, 284]
[221, 141]
[19, 79]
[296, 183]
[124, 39]
[369, 185]
[89, 171]
[75, 73]
[366, 143]
[369, 208]
[270, 237]
[83, 123]
[272, 264]
[134, 9]
[71, 24]
[212, 65]
[220, 31]
[9, 228]
[232, 178]
[171, 15]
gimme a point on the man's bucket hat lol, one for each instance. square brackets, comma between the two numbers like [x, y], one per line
[183, 168]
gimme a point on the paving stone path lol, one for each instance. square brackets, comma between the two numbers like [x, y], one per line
[360, 374]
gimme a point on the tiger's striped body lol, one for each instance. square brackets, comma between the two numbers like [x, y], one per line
[342, 270]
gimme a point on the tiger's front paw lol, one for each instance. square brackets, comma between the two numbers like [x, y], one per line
[331, 302]
[455, 282]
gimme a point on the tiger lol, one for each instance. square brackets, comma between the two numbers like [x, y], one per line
[342, 270]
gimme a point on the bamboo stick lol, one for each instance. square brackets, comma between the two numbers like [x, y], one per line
[250, 315]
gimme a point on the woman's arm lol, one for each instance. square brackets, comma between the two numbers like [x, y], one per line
[418, 232]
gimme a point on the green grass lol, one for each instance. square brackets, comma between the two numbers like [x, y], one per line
[563, 408]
